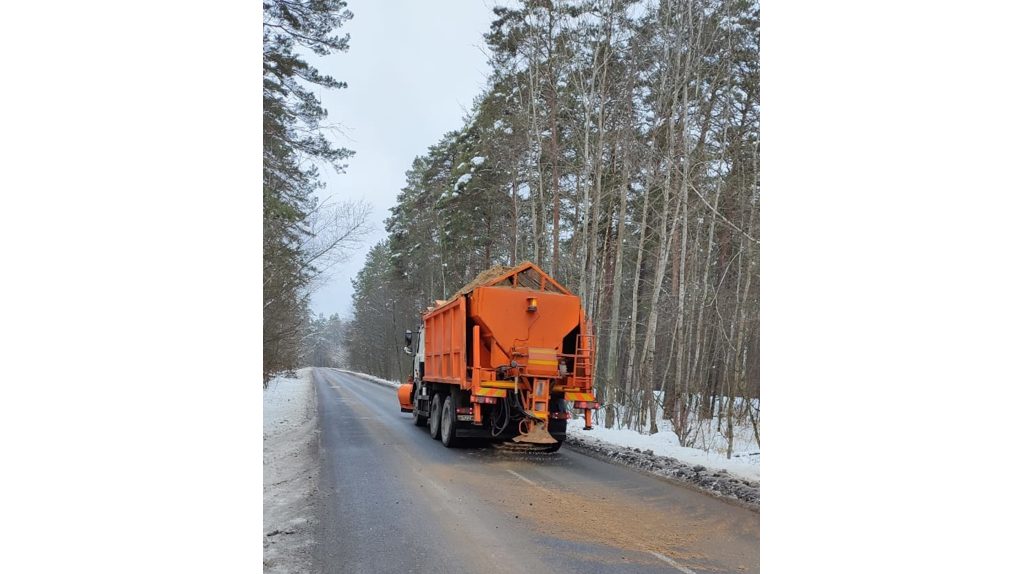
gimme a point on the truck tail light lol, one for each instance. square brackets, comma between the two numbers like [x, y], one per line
[586, 405]
[464, 411]
[560, 416]
[484, 400]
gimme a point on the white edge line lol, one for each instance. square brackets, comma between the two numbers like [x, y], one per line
[522, 477]
[672, 562]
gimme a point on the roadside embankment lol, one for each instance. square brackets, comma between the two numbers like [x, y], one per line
[290, 474]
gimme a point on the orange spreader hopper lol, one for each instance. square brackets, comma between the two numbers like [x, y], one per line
[497, 359]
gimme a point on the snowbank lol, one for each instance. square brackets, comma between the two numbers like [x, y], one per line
[665, 443]
[707, 467]
[371, 378]
[290, 473]
[715, 482]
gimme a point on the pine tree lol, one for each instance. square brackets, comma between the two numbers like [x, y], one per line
[655, 107]
[292, 146]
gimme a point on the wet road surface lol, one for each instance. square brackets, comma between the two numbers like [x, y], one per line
[394, 500]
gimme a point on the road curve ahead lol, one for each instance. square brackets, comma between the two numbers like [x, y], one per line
[394, 500]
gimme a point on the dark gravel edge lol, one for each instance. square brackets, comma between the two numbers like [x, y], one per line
[717, 483]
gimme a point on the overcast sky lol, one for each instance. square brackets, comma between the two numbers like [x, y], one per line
[412, 70]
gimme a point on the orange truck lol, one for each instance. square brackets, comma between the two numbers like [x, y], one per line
[505, 358]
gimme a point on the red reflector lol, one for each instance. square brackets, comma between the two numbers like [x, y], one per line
[586, 405]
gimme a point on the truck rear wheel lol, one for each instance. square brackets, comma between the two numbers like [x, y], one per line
[448, 419]
[435, 417]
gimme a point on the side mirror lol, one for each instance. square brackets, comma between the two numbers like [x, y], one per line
[408, 340]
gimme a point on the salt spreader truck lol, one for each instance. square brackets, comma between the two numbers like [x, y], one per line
[503, 359]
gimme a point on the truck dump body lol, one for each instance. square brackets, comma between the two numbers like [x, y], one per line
[512, 346]
[445, 344]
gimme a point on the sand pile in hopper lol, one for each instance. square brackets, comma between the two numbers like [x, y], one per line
[484, 278]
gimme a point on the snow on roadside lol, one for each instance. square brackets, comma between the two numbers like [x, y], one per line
[371, 378]
[662, 454]
[290, 473]
[717, 483]
[665, 443]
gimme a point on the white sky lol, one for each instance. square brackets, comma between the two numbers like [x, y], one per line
[412, 69]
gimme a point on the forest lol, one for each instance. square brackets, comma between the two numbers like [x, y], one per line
[617, 147]
[304, 238]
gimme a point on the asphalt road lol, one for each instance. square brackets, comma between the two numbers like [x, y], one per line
[394, 500]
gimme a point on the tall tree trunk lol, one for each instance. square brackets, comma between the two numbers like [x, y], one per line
[665, 239]
[553, 113]
[616, 318]
[632, 380]
[695, 364]
[555, 239]
[599, 167]
[513, 256]
[537, 207]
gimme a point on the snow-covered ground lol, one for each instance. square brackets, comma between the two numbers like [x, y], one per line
[645, 451]
[708, 444]
[666, 443]
[290, 473]
[379, 381]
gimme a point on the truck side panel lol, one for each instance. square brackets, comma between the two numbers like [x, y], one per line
[444, 350]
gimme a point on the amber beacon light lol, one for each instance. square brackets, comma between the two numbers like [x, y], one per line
[531, 303]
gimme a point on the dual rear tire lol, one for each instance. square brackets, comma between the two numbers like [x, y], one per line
[448, 419]
[442, 420]
[435, 417]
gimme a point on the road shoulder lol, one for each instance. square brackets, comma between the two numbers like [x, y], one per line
[290, 474]
[717, 483]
